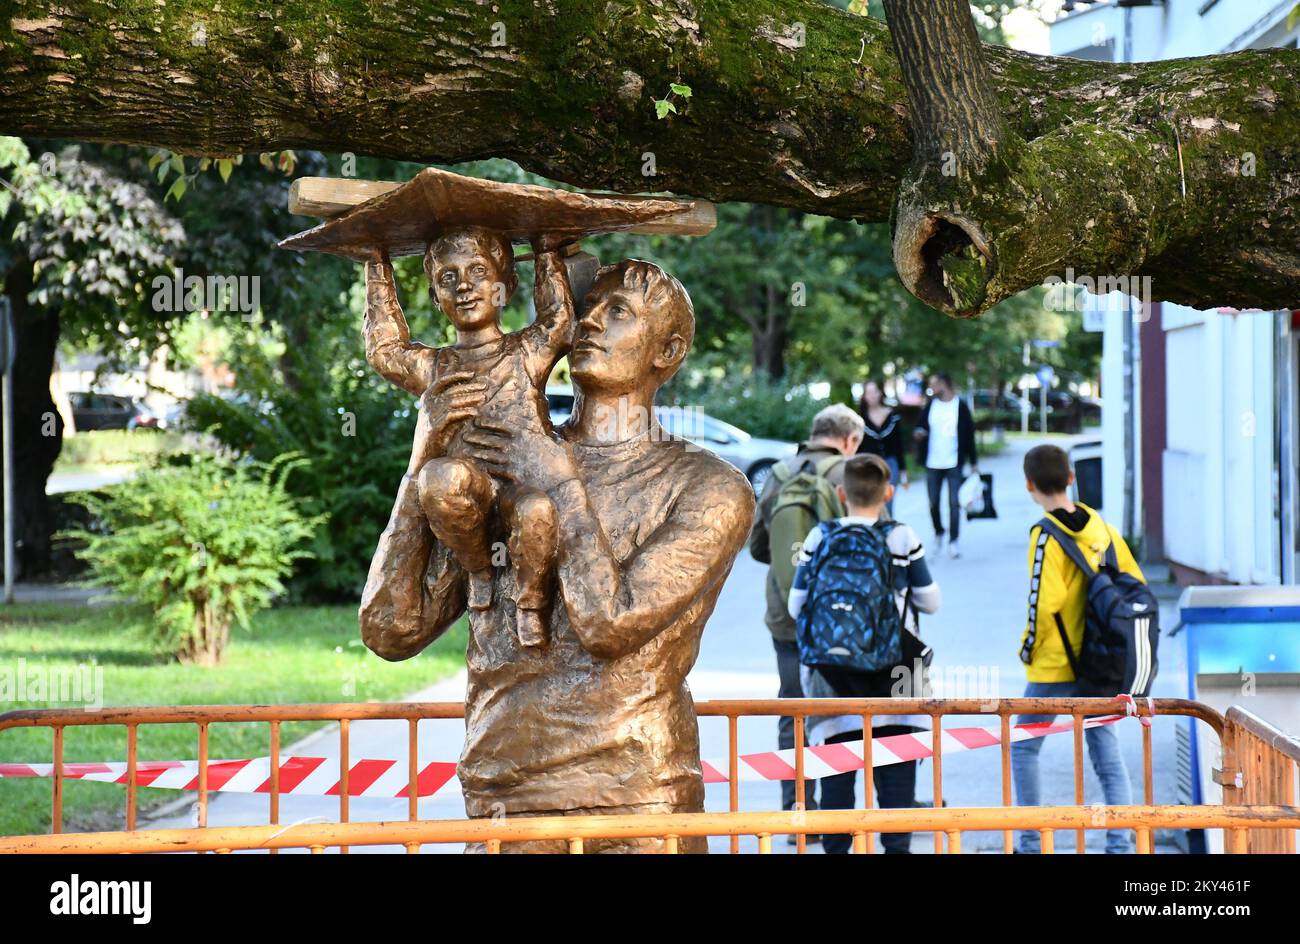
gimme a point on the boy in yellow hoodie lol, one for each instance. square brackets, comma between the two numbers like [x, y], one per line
[1057, 597]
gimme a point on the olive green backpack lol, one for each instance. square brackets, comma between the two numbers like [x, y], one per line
[805, 499]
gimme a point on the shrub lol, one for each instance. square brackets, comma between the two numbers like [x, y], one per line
[204, 544]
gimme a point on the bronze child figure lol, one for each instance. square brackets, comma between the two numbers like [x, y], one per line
[487, 373]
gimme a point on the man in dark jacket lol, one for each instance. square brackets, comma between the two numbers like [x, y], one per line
[945, 437]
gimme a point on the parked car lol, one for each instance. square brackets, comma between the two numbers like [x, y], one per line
[1086, 458]
[752, 455]
[991, 409]
[105, 411]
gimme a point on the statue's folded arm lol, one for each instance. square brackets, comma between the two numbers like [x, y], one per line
[415, 589]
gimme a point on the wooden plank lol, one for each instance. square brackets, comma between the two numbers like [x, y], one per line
[404, 216]
[323, 197]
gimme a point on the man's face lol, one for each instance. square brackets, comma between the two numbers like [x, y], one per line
[619, 343]
[469, 285]
[941, 389]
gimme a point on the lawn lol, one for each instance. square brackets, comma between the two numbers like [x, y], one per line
[290, 654]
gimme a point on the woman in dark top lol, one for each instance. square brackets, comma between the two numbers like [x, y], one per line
[883, 435]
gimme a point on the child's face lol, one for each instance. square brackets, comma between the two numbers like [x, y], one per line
[469, 285]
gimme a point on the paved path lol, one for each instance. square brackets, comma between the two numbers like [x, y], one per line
[979, 625]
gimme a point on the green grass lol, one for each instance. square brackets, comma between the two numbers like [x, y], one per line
[102, 450]
[290, 655]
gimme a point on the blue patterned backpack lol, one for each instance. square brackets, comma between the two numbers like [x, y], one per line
[850, 618]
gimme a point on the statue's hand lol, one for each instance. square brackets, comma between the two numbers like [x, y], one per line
[449, 401]
[550, 242]
[521, 455]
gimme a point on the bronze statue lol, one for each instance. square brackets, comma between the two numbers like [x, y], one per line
[488, 374]
[627, 535]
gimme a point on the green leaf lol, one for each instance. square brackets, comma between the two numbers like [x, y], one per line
[224, 167]
[663, 107]
[177, 189]
[178, 163]
[683, 90]
[155, 159]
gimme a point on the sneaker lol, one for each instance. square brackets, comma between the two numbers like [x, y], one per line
[953, 550]
[938, 544]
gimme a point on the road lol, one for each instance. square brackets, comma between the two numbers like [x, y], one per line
[977, 628]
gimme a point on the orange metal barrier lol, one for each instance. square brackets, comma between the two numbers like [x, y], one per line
[1260, 767]
[576, 831]
[1255, 802]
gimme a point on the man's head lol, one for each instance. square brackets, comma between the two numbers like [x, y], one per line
[637, 327]
[941, 385]
[1048, 475]
[866, 485]
[471, 274]
[838, 427]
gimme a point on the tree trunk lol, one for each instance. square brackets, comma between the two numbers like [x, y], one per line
[38, 427]
[768, 326]
[1187, 171]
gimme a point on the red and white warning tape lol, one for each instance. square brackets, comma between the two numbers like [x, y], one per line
[388, 779]
[826, 760]
[303, 776]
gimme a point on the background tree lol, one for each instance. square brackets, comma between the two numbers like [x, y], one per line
[78, 248]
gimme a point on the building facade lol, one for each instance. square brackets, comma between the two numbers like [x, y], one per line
[1201, 455]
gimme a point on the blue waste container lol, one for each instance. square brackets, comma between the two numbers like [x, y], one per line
[1243, 648]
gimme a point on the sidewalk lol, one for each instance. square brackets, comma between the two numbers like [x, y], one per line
[979, 625]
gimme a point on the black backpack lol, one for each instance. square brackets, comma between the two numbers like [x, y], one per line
[1121, 628]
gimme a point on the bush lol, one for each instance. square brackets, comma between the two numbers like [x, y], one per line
[204, 545]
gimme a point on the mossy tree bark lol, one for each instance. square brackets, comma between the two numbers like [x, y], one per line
[1187, 170]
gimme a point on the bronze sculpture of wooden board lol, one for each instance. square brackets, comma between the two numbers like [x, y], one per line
[407, 217]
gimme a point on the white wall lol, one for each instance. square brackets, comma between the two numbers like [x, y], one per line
[1172, 29]
[1219, 478]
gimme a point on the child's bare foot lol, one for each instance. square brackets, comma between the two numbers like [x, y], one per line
[480, 591]
[529, 626]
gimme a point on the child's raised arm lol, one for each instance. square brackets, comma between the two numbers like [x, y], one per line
[389, 348]
[551, 335]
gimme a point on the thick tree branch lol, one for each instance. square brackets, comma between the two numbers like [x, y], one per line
[985, 210]
[795, 104]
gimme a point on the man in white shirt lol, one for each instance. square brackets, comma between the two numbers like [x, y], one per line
[945, 438]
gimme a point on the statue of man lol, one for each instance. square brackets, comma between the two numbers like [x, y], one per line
[600, 720]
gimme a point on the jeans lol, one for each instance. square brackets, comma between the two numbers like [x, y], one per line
[895, 788]
[934, 482]
[1103, 751]
[787, 667]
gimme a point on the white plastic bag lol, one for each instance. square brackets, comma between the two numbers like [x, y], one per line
[971, 494]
